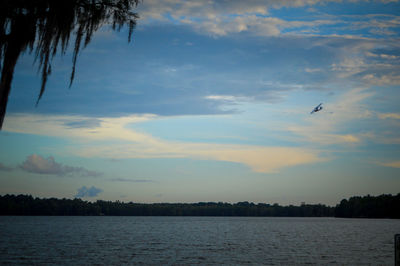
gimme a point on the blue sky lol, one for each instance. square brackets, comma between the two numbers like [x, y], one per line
[211, 102]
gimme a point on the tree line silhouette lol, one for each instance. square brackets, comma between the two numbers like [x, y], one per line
[383, 206]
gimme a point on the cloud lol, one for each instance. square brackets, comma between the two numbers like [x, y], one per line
[226, 98]
[257, 70]
[394, 164]
[382, 55]
[370, 62]
[221, 18]
[223, 24]
[389, 115]
[350, 66]
[39, 165]
[312, 70]
[383, 79]
[85, 192]
[259, 159]
[83, 123]
[326, 127]
[5, 168]
[115, 138]
[131, 180]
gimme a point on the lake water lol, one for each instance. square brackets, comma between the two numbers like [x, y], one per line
[196, 240]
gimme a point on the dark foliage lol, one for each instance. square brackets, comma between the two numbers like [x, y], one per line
[27, 205]
[43, 26]
[383, 206]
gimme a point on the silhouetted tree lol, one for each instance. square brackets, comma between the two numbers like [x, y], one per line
[44, 26]
[382, 206]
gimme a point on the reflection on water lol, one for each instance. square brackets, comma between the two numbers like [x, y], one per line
[196, 240]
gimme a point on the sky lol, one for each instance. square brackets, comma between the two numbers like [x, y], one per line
[211, 101]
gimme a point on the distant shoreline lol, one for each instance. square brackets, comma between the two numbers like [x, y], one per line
[383, 206]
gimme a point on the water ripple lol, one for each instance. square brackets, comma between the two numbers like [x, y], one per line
[196, 241]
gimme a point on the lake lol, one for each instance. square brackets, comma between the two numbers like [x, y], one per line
[110, 240]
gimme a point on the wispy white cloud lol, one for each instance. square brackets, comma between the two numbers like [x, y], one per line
[376, 24]
[227, 98]
[393, 164]
[384, 79]
[258, 158]
[387, 129]
[220, 18]
[361, 62]
[389, 115]
[312, 70]
[337, 123]
[128, 143]
[382, 55]
[326, 127]
[350, 66]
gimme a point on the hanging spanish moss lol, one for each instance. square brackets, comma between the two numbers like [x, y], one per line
[46, 26]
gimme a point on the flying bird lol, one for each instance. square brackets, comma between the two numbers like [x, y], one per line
[317, 108]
